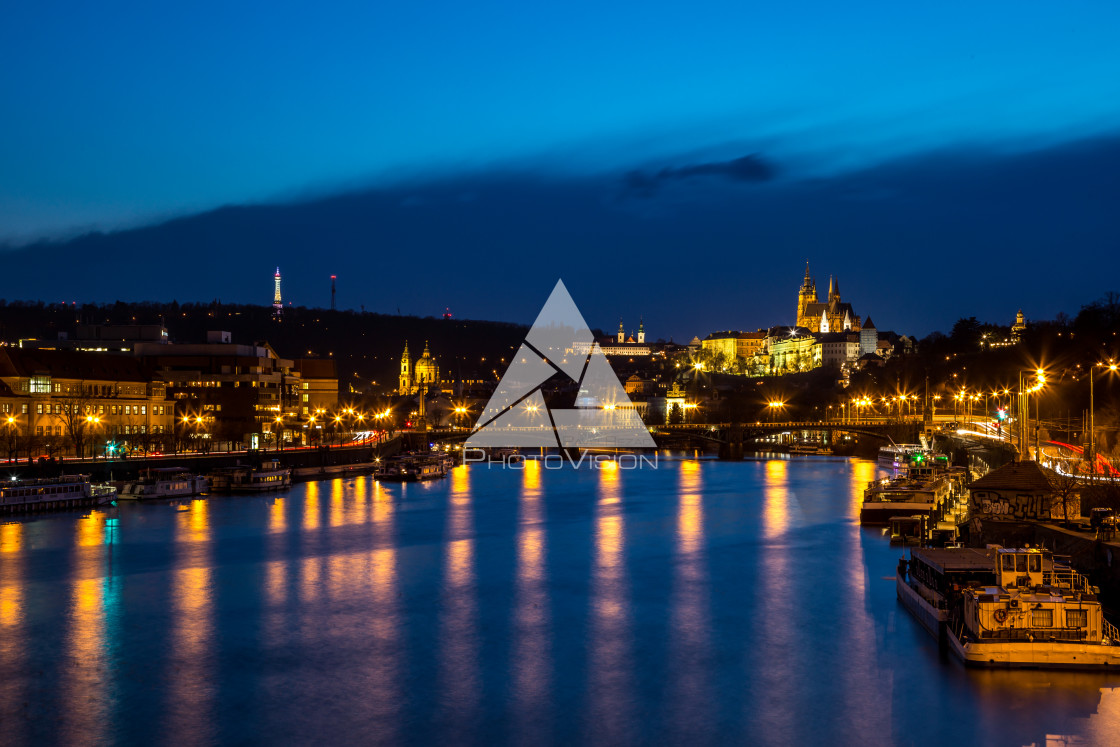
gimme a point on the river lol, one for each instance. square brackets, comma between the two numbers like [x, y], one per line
[701, 602]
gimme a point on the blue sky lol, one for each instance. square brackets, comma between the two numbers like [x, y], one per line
[119, 113]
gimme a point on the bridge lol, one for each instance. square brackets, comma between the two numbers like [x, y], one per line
[731, 436]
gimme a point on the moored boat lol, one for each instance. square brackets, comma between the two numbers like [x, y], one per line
[164, 482]
[53, 494]
[1009, 607]
[246, 479]
[413, 468]
[920, 491]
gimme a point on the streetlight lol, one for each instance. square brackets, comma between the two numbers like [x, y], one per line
[1092, 425]
[91, 421]
[774, 406]
[279, 433]
[1024, 414]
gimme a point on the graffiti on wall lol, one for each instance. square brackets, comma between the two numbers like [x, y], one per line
[992, 505]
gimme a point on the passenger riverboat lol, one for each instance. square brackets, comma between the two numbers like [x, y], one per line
[164, 482]
[1005, 607]
[53, 494]
[921, 490]
[245, 479]
[903, 456]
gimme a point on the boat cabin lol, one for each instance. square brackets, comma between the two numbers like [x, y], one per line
[1019, 567]
[1034, 599]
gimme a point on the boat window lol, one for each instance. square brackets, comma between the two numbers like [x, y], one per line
[1077, 618]
[1042, 618]
[1021, 563]
[1008, 562]
[1035, 563]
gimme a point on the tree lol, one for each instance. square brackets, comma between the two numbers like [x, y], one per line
[1065, 495]
[966, 333]
[76, 408]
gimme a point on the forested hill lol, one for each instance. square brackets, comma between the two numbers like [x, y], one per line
[367, 346]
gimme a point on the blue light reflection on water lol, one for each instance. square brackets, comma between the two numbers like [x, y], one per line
[704, 602]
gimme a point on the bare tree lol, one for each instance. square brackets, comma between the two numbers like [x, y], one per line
[76, 408]
[1065, 495]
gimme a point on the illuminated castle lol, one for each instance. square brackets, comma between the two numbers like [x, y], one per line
[833, 315]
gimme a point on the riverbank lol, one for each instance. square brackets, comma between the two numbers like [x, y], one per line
[306, 464]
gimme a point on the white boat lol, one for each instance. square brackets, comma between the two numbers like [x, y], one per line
[920, 491]
[903, 456]
[164, 482]
[245, 479]
[1008, 608]
[53, 494]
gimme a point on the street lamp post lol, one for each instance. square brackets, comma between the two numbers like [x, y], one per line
[1092, 425]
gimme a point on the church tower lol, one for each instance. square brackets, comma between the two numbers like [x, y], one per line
[805, 296]
[406, 372]
[621, 332]
[641, 330]
[833, 290]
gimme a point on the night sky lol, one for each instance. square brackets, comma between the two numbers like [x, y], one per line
[676, 162]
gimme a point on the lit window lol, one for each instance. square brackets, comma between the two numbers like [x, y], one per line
[1042, 618]
[1077, 618]
[40, 384]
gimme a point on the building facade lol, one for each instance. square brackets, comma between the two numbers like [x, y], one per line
[63, 402]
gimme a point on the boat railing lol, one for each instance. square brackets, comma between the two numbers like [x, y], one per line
[1110, 632]
[1069, 578]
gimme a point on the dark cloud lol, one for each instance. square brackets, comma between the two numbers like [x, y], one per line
[916, 243]
[750, 168]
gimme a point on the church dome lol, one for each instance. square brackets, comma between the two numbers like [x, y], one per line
[426, 370]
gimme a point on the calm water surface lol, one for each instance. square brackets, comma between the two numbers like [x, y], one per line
[701, 603]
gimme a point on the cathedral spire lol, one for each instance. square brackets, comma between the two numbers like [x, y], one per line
[808, 280]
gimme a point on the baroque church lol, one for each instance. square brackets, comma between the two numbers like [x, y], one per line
[831, 315]
[425, 371]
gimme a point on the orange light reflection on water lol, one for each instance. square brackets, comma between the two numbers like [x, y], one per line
[690, 696]
[386, 682]
[863, 472]
[609, 687]
[778, 630]
[531, 652]
[13, 633]
[85, 692]
[775, 509]
[459, 666]
[190, 703]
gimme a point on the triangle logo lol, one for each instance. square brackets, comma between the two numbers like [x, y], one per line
[517, 414]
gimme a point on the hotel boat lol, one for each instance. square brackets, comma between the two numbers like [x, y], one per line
[164, 482]
[922, 490]
[1008, 608]
[244, 479]
[53, 494]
